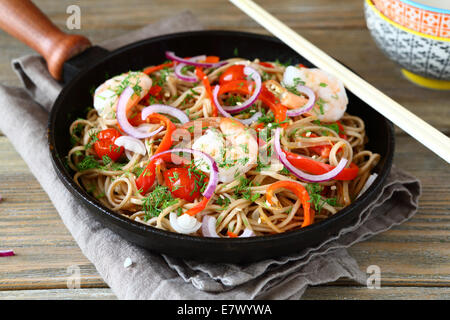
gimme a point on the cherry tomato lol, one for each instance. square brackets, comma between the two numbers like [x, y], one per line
[235, 72]
[105, 146]
[182, 184]
[108, 134]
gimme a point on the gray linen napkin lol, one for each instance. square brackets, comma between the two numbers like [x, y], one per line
[155, 276]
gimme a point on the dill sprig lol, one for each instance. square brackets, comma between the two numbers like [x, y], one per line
[316, 199]
[156, 201]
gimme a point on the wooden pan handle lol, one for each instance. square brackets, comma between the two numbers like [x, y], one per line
[24, 21]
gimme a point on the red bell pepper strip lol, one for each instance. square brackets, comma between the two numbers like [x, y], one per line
[274, 104]
[147, 177]
[266, 64]
[202, 76]
[145, 181]
[317, 167]
[150, 70]
[322, 150]
[154, 90]
[300, 191]
[198, 208]
[232, 234]
[238, 86]
[341, 129]
[166, 142]
[212, 59]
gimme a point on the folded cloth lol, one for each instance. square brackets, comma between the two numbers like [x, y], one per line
[155, 276]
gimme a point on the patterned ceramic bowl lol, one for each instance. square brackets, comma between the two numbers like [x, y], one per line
[425, 59]
[432, 19]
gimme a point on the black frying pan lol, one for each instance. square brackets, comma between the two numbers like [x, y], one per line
[75, 97]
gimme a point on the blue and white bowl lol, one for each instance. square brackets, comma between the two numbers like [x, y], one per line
[424, 59]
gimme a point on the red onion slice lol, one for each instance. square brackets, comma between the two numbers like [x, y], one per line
[184, 224]
[180, 66]
[308, 106]
[209, 227]
[368, 183]
[162, 108]
[247, 233]
[213, 171]
[171, 55]
[131, 144]
[250, 120]
[246, 122]
[7, 253]
[299, 173]
[123, 120]
[252, 73]
[182, 76]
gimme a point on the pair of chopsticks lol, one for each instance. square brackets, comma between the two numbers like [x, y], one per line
[430, 137]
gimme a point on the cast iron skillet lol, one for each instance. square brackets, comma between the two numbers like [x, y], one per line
[85, 71]
[75, 97]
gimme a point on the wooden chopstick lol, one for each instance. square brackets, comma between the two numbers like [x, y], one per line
[430, 137]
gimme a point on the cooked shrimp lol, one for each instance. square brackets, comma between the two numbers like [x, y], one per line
[331, 98]
[231, 145]
[106, 96]
[287, 98]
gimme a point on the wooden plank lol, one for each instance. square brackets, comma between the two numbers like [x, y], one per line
[59, 294]
[312, 293]
[31, 226]
[384, 293]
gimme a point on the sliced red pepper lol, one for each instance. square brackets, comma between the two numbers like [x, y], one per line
[212, 59]
[202, 76]
[155, 90]
[300, 191]
[266, 64]
[198, 208]
[259, 127]
[322, 150]
[232, 234]
[233, 73]
[317, 167]
[238, 86]
[166, 141]
[341, 129]
[279, 110]
[147, 177]
[135, 119]
[150, 70]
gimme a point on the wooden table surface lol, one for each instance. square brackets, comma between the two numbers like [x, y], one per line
[414, 257]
